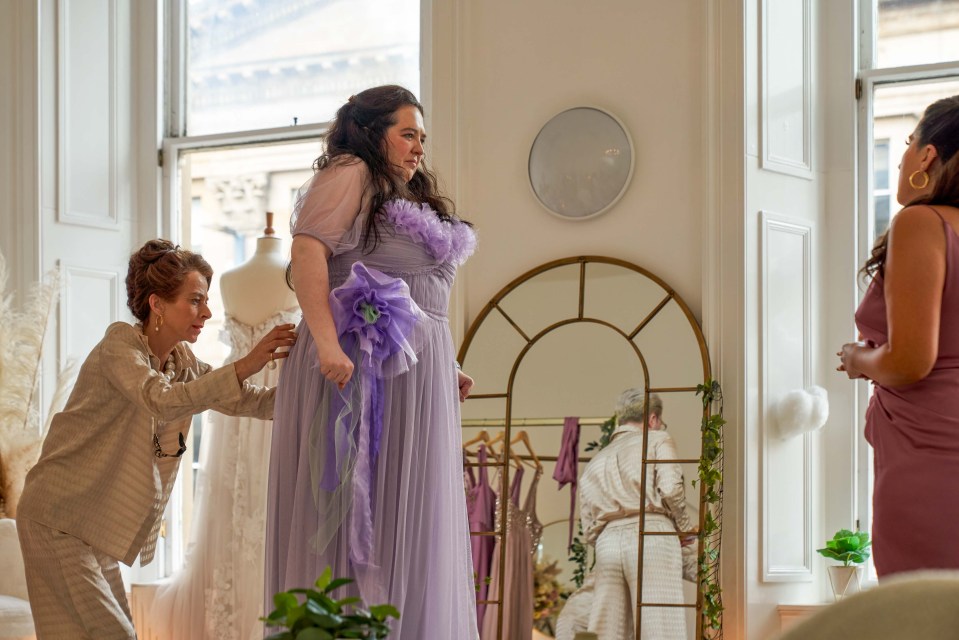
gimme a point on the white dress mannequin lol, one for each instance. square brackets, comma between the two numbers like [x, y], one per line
[218, 594]
[255, 290]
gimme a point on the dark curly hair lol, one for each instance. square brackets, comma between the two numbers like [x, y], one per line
[160, 267]
[359, 129]
[939, 127]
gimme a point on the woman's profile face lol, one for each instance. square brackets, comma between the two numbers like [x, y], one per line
[404, 141]
[185, 315]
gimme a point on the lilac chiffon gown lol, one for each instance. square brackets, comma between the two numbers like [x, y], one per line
[419, 549]
[913, 430]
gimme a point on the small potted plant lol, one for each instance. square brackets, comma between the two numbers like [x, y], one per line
[852, 549]
[320, 617]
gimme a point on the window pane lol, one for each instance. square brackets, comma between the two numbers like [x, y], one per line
[881, 215]
[269, 63]
[897, 109]
[230, 191]
[880, 164]
[917, 32]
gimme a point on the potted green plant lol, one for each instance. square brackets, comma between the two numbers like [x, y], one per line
[320, 617]
[852, 549]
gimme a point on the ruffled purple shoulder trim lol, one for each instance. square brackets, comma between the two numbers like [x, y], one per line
[445, 241]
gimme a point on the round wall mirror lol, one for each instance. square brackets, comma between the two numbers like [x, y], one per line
[580, 163]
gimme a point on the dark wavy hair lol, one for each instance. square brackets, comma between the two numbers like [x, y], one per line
[939, 127]
[160, 267]
[359, 129]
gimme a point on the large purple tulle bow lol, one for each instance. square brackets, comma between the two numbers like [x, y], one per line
[374, 316]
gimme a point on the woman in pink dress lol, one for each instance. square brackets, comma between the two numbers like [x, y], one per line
[909, 348]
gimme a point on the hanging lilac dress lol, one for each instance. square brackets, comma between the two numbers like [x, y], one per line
[914, 432]
[370, 481]
[481, 505]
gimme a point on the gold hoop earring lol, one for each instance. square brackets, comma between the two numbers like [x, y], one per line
[159, 323]
[925, 181]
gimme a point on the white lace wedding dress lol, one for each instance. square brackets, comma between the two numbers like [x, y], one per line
[218, 594]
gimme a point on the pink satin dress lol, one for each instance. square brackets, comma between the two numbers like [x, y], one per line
[914, 430]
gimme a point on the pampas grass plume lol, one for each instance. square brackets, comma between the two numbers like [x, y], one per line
[22, 333]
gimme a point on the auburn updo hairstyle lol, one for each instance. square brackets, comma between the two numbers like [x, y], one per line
[160, 267]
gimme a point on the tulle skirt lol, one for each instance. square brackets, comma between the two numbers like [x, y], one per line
[421, 561]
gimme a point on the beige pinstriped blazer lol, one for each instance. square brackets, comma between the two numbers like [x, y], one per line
[609, 487]
[98, 478]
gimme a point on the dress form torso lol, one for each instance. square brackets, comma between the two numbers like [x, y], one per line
[255, 290]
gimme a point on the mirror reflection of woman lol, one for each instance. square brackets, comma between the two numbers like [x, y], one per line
[611, 503]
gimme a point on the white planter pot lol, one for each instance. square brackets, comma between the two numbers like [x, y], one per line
[845, 581]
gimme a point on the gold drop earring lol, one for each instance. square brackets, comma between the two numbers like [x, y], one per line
[159, 323]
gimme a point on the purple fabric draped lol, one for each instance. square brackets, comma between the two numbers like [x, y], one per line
[374, 314]
[566, 470]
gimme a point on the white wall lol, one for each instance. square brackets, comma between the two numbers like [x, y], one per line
[522, 63]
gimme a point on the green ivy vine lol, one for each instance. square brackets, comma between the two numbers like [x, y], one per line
[711, 477]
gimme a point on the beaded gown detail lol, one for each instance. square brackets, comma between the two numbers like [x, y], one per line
[523, 534]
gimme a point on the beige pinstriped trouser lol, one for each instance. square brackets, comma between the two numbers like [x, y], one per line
[613, 613]
[76, 592]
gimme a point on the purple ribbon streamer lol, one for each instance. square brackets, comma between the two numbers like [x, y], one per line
[374, 315]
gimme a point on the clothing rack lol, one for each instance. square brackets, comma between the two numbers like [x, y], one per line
[547, 422]
[529, 422]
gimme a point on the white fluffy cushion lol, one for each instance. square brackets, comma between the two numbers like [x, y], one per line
[800, 411]
[15, 618]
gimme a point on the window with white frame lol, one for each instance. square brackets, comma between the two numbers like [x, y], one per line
[251, 87]
[909, 57]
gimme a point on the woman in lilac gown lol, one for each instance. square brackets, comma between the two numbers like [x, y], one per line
[909, 348]
[366, 470]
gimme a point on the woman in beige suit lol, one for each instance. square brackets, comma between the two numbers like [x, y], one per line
[110, 459]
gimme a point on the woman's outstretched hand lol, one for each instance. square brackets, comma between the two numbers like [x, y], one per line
[267, 350]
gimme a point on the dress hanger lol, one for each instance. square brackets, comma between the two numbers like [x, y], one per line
[523, 437]
[499, 437]
[482, 436]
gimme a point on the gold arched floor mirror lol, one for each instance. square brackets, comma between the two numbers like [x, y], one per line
[562, 342]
